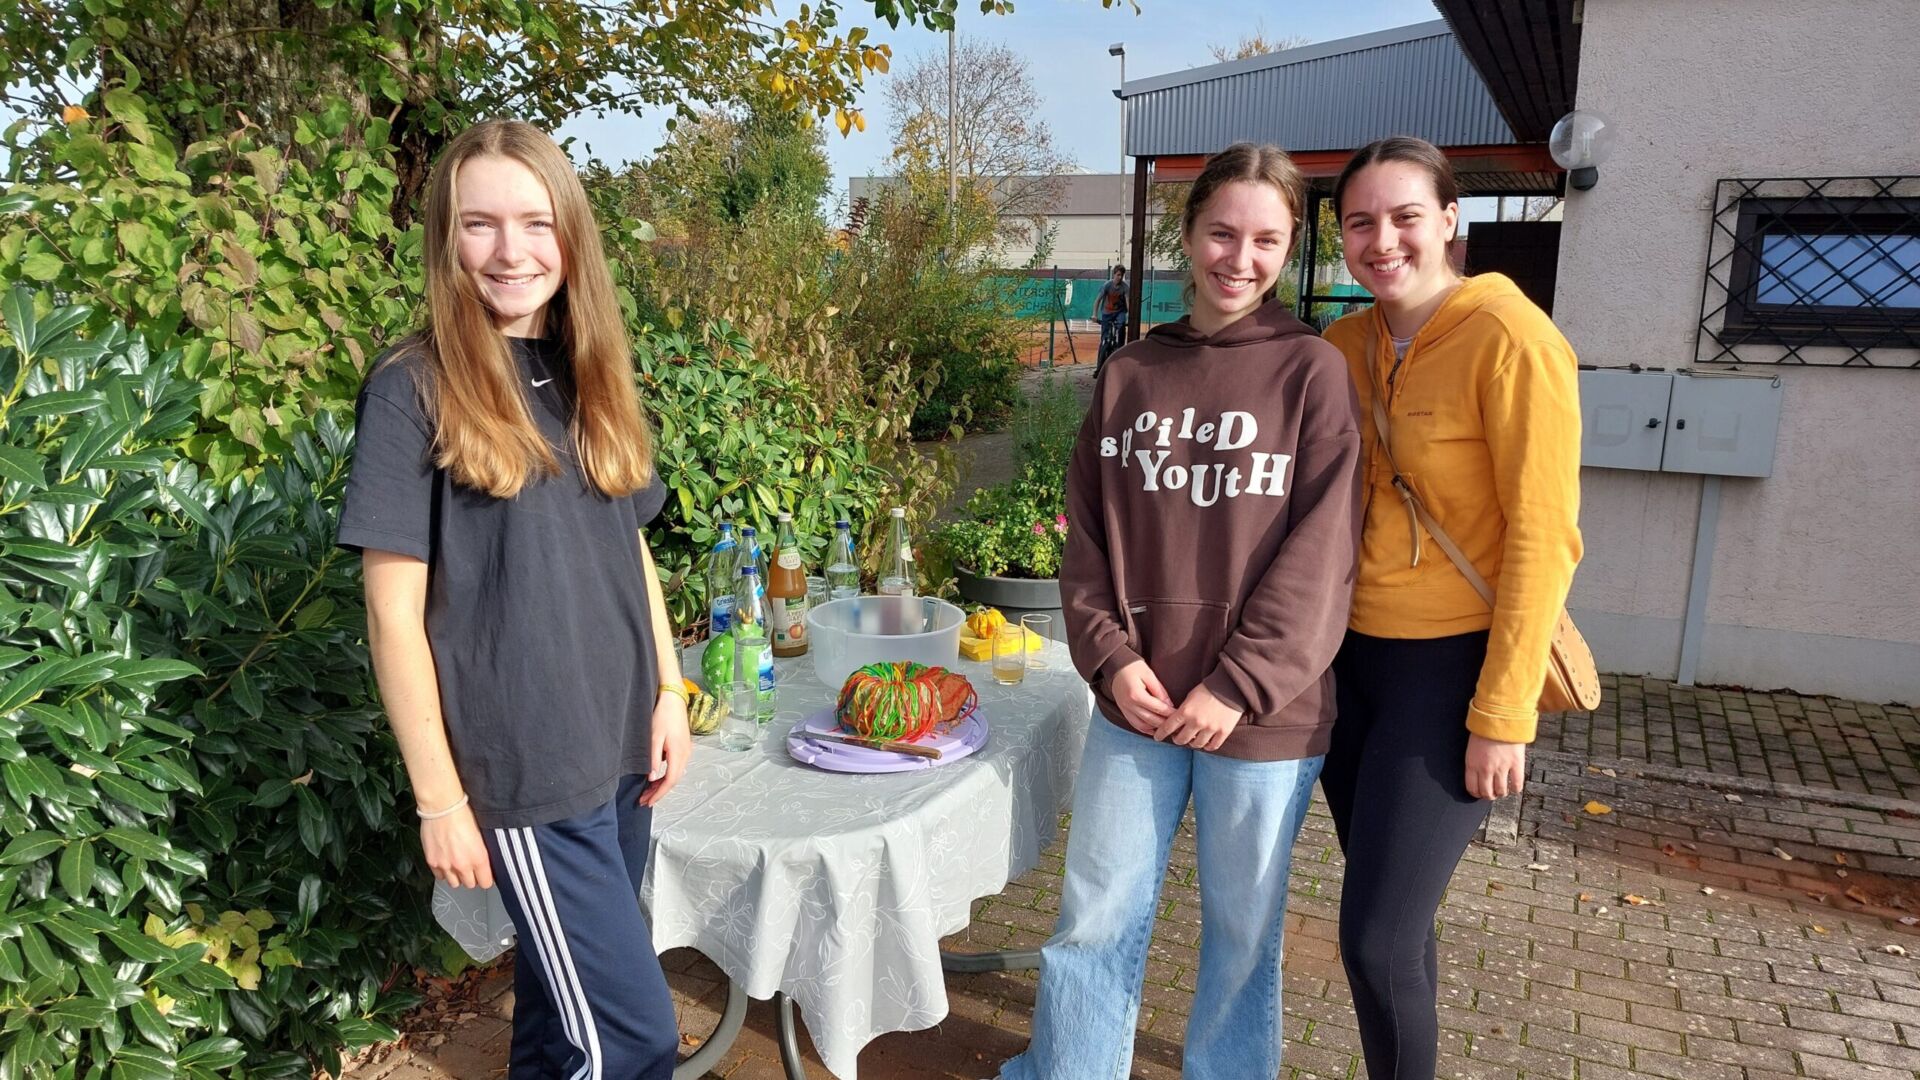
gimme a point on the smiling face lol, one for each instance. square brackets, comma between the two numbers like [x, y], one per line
[509, 242]
[1238, 244]
[1396, 233]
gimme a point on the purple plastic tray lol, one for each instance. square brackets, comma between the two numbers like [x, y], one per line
[963, 739]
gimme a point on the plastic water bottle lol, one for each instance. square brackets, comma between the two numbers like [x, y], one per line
[722, 574]
[751, 554]
[843, 570]
[753, 644]
[896, 559]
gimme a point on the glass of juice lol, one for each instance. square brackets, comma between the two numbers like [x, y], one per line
[1009, 655]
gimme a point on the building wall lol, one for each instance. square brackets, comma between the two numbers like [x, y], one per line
[1815, 585]
[1080, 242]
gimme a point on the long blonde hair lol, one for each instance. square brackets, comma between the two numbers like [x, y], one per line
[484, 434]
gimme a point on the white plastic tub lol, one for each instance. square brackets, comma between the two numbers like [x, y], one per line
[849, 634]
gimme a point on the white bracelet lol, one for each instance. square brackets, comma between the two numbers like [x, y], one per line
[429, 815]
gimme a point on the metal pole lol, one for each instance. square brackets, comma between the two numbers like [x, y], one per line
[1123, 156]
[953, 181]
[1693, 626]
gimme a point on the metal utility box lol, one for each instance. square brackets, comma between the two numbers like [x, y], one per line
[1722, 425]
[1623, 418]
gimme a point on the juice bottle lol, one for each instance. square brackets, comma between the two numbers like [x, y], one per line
[787, 592]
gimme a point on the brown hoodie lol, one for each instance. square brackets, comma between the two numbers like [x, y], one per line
[1214, 496]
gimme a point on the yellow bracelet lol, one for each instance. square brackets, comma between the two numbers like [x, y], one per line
[674, 688]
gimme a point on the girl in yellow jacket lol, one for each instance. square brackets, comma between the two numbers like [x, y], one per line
[1437, 694]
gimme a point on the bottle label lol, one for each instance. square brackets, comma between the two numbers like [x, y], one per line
[766, 670]
[722, 614]
[906, 552]
[789, 620]
[789, 560]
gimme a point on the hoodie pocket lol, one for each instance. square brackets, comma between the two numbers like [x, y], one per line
[1179, 639]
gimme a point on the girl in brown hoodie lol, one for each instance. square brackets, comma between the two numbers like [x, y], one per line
[1214, 497]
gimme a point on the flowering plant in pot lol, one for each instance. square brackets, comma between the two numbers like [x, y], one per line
[1006, 551]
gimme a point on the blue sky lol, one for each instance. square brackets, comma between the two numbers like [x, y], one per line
[1065, 44]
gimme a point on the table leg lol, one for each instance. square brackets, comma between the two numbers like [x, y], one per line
[1002, 960]
[789, 1038]
[790, 1060]
[718, 1043]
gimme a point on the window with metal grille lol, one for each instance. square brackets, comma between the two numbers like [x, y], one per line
[1813, 271]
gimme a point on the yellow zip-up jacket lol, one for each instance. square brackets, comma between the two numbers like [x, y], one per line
[1485, 415]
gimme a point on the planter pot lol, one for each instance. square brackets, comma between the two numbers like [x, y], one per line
[1015, 596]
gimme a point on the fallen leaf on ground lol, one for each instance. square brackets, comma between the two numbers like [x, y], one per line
[1596, 807]
[1598, 771]
[1909, 920]
[1783, 855]
[1858, 895]
[1840, 857]
[1538, 866]
[1639, 901]
[1893, 950]
[1584, 897]
[1839, 873]
[1669, 850]
[1707, 889]
[1733, 798]
[1494, 886]
[1818, 929]
[1601, 910]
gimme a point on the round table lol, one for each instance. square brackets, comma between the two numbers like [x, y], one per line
[831, 891]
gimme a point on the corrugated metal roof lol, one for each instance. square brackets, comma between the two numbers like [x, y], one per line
[1337, 95]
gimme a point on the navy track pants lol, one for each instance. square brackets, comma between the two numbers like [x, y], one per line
[589, 1000]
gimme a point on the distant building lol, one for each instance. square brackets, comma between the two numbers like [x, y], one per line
[1085, 221]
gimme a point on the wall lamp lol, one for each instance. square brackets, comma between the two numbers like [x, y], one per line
[1581, 141]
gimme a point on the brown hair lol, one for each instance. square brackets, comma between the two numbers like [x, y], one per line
[484, 435]
[1258, 163]
[1405, 148]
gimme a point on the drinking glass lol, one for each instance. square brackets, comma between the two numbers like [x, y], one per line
[739, 730]
[1041, 626]
[1009, 655]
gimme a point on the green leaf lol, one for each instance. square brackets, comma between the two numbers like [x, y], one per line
[23, 466]
[38, 954]
[215, 1053]
[42, 266]
[76, 870]
[137, 843]
[356, 1032]
[152, 1026]
[142, 1063]
[11, 969]
[139, 796]
[32, 847]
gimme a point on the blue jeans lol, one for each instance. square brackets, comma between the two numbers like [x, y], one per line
[1127, 803]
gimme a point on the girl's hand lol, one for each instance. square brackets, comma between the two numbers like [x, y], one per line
[1202, 722]
[1495, 769]
[455, 852]
[1143, 702]
[672, 745]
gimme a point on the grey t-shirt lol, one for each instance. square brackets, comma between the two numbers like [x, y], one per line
[536, 605]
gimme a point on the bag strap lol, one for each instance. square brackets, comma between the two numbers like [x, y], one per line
[1417, 514]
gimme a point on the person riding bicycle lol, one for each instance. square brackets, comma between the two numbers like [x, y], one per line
[1110, 307]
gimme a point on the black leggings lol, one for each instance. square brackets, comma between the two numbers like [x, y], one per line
[1395, 780]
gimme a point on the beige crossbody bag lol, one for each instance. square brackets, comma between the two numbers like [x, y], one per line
[1573, 682]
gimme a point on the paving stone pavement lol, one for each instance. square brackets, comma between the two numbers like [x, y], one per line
[1848, 746]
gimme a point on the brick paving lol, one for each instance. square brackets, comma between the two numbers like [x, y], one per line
[1848, 746]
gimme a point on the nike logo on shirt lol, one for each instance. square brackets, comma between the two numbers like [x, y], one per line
[541, 382]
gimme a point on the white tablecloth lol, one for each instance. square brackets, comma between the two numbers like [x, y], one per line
[837, 889]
